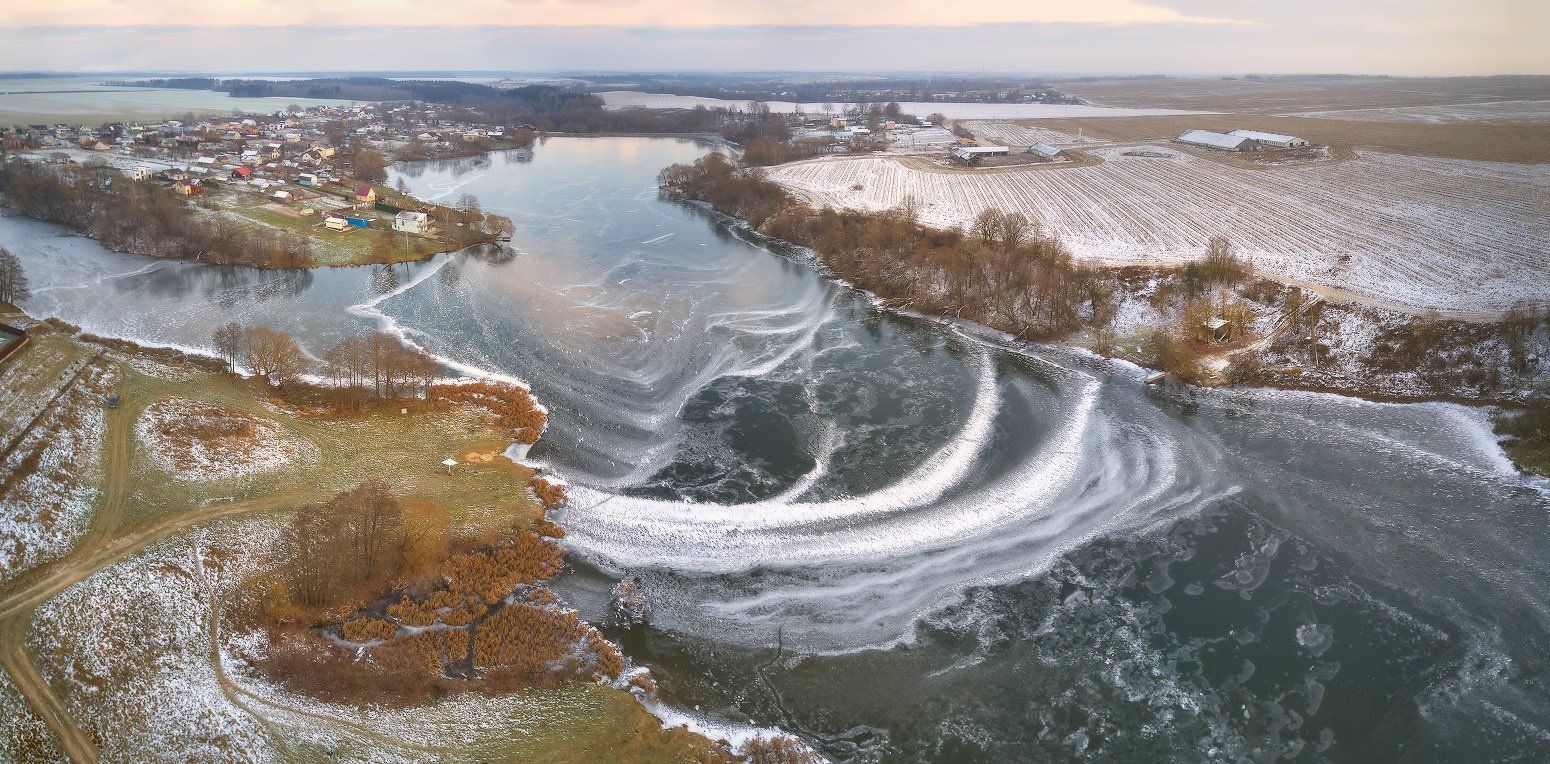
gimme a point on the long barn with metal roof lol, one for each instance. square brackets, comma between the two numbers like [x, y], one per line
[1271, 139]
[1218, 140]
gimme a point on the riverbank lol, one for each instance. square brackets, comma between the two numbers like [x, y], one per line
[222, 486]
[1199, 323]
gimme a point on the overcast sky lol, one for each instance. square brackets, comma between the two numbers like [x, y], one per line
[1413, 37]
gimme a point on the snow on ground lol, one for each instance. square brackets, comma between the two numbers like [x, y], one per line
[1536, 112]
[627, 99]
[129, 651]
[23, 735]
[920, 140]
[1456, 236]
[196, 441]
[1020, 136]
[48, 483]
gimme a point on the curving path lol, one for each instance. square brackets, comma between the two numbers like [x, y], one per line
[98, 550]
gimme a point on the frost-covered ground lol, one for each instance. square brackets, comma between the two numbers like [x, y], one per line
[1420, 234]
[23, 735]
[1020, 136]
[1537, 112]
[50, 479]
[920, 140]
[128, 650]
[1364, 349]
[627, 99]
[263, 448]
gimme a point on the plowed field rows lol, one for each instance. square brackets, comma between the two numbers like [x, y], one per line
[1456, 236]
[1016, 135]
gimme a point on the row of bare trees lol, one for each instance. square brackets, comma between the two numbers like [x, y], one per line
[378, 366]
[375, 366]
[1004, 271]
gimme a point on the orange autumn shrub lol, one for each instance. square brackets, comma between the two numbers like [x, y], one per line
[551, 495]
[411, 613]
[493, 574]
[470, 611]
[367, 629]
[548, 529]
[514, 407]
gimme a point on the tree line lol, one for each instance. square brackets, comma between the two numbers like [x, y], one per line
[1004, 272]
[144, 218]
[361, 368]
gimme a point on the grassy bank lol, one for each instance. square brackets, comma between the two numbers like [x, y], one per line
[193, 466]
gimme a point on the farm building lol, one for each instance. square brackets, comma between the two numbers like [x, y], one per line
[1045, 150]
[972, 154]
[411, 222]
[1271, 139]
[241, 173]
[335, 224]
[283, 196]
[357, 221]
[306, 179]
[1218, 140]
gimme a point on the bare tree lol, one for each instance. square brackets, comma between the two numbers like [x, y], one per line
[13, 278]
[273, 355]
[987, 224]
[228, 342]
[1015, 227]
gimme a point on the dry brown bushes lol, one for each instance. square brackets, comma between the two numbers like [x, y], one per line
[514, 408]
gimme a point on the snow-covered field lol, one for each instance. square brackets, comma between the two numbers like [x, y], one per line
[129, 650]
[1022, 136]
[1420, 234]
[164, 428]
[920, 141]
[46, 511]
[632, 99]
[1537, 112]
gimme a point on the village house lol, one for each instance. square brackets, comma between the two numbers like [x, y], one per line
[411, 222]
[366, 194]
[335, 223]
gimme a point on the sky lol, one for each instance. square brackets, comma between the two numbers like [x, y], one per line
[1400, 37]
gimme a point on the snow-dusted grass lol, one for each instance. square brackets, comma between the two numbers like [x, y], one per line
[50, 478]
[1418, 233]
[23, 735]
[128, 649]
[197, 441]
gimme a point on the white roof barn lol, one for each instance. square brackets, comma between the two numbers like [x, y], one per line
[974, 153]
[1217, 140]
[1273, 139]
[1045, 150]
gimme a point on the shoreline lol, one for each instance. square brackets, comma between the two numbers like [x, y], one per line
[669, 716]
[1010, 343]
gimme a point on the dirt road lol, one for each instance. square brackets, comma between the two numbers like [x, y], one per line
[100, 549]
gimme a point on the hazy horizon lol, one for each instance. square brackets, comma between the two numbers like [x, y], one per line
[1097, 38]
